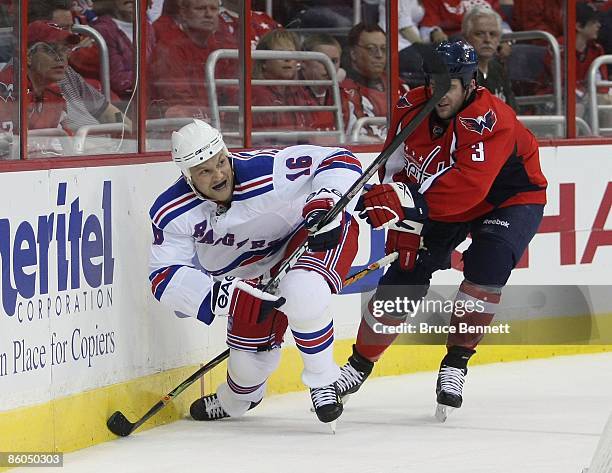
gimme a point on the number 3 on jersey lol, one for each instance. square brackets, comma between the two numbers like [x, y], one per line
[478, 154]
[303, 162]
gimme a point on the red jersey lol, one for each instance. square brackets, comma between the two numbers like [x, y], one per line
[361, 100]
[261, 23]
[277, 96]
[448, 14]
[178, 73]
[584, 59]
[483, 159]
[44, 111]
[544, 15]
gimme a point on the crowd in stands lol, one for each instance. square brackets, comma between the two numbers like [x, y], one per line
[65, 85]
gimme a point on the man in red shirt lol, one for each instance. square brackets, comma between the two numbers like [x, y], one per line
[365, 87]
[472, 168]
[261, 22]
[177, 73]
[587, 50]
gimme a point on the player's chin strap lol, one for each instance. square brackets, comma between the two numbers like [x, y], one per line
[118, 423]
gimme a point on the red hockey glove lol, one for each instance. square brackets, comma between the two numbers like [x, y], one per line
[386, 204]
[406, 243]
[240, 298]
[317, 205]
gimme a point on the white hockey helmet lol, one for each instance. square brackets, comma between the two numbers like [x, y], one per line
[194, 144]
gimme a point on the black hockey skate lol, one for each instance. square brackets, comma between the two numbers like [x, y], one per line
[209, 408]
[353, 374]
[327, 403]
[451, 377]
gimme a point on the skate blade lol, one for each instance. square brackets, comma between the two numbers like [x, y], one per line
[442, 412]
[332, 425]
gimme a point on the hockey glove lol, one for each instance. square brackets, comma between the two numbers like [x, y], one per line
[317, 205]
[387, 204]
[406, 240]
[234, 296]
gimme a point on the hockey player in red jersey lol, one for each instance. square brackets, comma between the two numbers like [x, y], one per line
[473, 168]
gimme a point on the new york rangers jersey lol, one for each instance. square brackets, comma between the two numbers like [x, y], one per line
[195, 240]
[484, 158]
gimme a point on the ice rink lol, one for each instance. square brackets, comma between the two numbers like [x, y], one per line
[540, 416]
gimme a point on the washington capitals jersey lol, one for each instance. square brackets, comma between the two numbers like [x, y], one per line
[195, 241]
[482, 159]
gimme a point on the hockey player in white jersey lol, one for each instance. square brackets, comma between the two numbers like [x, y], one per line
[225, 226]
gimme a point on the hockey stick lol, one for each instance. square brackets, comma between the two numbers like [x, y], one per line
[119, 424]
[441, 80]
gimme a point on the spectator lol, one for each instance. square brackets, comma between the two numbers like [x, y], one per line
[315, 70]
[58, 96]
[442, 20]
[366, 86]
[115, 22]
[86, 58]
[279, 95]
[587, 49]
[543, 15]
[178, 75]
[482, 29]
[261, 22]
[410, 14]
[167, 25]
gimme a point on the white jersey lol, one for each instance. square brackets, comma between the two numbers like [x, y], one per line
[195, 241]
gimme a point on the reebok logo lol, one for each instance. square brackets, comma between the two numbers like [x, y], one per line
[496, 221]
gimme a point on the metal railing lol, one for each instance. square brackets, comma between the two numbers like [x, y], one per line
[80, 137]
[103, 50]
[216, 109]
[555, 120]
[556, 67]
[362, 122]
[592, 83]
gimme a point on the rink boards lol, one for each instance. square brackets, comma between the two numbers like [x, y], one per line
[81, 335]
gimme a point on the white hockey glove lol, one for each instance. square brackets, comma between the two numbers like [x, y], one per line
[240, 298]
[386, 204]
[317, 205]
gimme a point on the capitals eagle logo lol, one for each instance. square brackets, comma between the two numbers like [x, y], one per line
[481, 123]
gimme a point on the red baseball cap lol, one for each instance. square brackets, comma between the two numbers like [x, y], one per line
[40, 31]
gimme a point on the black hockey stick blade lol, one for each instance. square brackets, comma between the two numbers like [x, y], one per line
[119, 425]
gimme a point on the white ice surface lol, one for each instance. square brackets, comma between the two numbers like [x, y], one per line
[540, 416]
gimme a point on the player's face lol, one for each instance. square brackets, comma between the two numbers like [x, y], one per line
[214, 178]
[315, 70]
[484, 36]
[201, 14]
[450, 104]
[369, 56]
